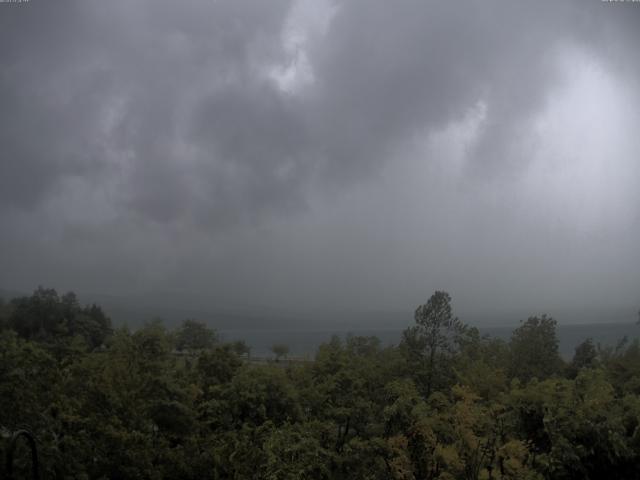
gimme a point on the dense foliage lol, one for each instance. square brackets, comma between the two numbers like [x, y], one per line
[444, 404]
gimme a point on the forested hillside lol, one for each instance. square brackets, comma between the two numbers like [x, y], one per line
[445, 403]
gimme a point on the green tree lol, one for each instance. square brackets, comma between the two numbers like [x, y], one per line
[39, 316]
[217, 366]
[578, 428]
[623, 365]
[295, 452]
[45, 316]
[90, 323]
[4, 314]
[135, 409]
[280, 350]
[534, 349]
[432, 342]
[195, 335]
[241, 348]
[363, 345]
[256, 395]
[585, 356]
[152, 341]
[482, 365]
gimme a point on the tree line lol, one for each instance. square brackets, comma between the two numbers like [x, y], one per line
[445, 403]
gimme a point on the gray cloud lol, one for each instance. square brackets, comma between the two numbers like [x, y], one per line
[248, 147]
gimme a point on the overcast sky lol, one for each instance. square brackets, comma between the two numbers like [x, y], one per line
[318, 153]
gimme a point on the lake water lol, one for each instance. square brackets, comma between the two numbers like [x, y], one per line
[304, 343]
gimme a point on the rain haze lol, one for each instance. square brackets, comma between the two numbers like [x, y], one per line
[324, 157]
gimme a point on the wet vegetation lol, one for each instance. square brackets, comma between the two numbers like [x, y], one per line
[446, 403]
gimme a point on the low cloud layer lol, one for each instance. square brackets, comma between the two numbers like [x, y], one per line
[303, 154]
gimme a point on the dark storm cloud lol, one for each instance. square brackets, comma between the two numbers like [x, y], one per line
[46, 116]
[86, 86]
[389, 68]
[213, 142]
[176, 98]
[254, 152]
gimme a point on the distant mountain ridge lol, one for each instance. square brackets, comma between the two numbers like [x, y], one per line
[173, 308]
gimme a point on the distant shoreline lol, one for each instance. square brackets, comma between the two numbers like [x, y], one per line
[304, 342]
